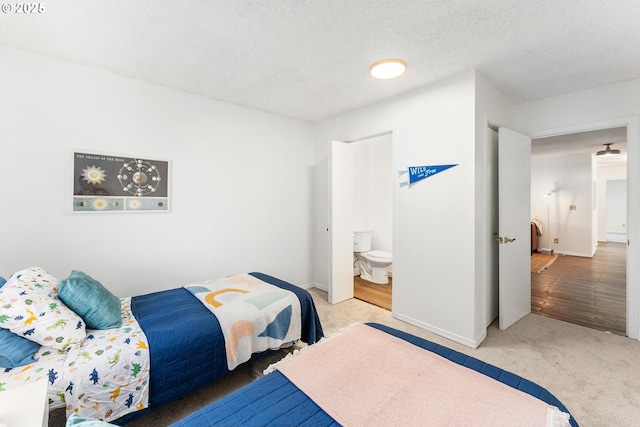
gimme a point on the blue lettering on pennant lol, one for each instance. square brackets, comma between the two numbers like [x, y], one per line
[417, 173]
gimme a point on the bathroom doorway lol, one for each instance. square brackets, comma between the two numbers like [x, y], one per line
[372, 293]
[373, 185]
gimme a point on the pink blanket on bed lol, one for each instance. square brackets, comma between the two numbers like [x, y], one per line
[366, 377]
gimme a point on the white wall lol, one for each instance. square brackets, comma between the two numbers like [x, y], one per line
[434, 236]
[361, 191]
[373, 189]
[594, 203]
[617, 206]
[570, 178]
[603, 107]
[240, 182]
[608, 172]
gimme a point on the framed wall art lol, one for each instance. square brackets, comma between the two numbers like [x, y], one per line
[115, 183]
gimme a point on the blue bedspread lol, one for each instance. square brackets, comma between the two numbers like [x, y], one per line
[186, 344]
[274, 401]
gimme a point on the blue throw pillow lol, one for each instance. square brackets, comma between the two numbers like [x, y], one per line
[98, 307]
[2, 281]
[15, 350]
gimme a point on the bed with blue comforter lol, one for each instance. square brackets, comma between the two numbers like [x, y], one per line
[186, 343]
[112, 359]
[274, 400]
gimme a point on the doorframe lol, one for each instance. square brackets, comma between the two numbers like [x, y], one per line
[394, 221]
[632, 123]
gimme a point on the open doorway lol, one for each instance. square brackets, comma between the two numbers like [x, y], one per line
[584, 281]
[361, 194]
[373, 184]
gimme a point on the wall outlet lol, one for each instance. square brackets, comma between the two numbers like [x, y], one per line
[556, 240]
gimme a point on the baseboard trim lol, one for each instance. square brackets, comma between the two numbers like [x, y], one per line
[323, 288]
[473, 343]
[575, 254]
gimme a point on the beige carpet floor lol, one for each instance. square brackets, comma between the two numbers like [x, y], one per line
[595, 374]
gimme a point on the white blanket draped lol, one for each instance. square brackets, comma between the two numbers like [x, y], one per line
[254, 315]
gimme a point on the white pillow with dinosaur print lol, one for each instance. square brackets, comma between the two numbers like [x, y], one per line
[31, 308]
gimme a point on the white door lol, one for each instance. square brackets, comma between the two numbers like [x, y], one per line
[340, 222]
[514, 226]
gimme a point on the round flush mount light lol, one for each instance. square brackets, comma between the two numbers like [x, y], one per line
[388, 69]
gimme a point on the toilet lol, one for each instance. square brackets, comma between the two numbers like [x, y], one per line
[372, 265]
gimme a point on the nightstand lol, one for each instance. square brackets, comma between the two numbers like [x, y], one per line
[25, 406]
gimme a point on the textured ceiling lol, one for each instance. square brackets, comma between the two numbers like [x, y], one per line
[309, 59]
[584, 142]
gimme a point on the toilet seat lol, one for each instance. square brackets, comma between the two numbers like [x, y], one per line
[378, 256]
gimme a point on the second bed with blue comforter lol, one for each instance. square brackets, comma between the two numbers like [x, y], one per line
[186, 343]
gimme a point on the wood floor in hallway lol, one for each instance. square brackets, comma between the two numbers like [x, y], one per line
[373, 293]
[585, 291]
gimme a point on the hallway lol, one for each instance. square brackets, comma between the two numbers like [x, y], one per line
[585, 291]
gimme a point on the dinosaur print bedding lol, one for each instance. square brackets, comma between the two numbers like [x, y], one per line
[104, 378]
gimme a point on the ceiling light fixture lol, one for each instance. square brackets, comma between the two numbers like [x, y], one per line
[607, 151]
[388, 69]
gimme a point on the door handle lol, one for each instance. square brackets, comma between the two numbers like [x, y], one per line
[505, 240]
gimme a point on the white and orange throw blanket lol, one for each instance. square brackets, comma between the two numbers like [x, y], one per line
[254, 315]
[366, 377]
